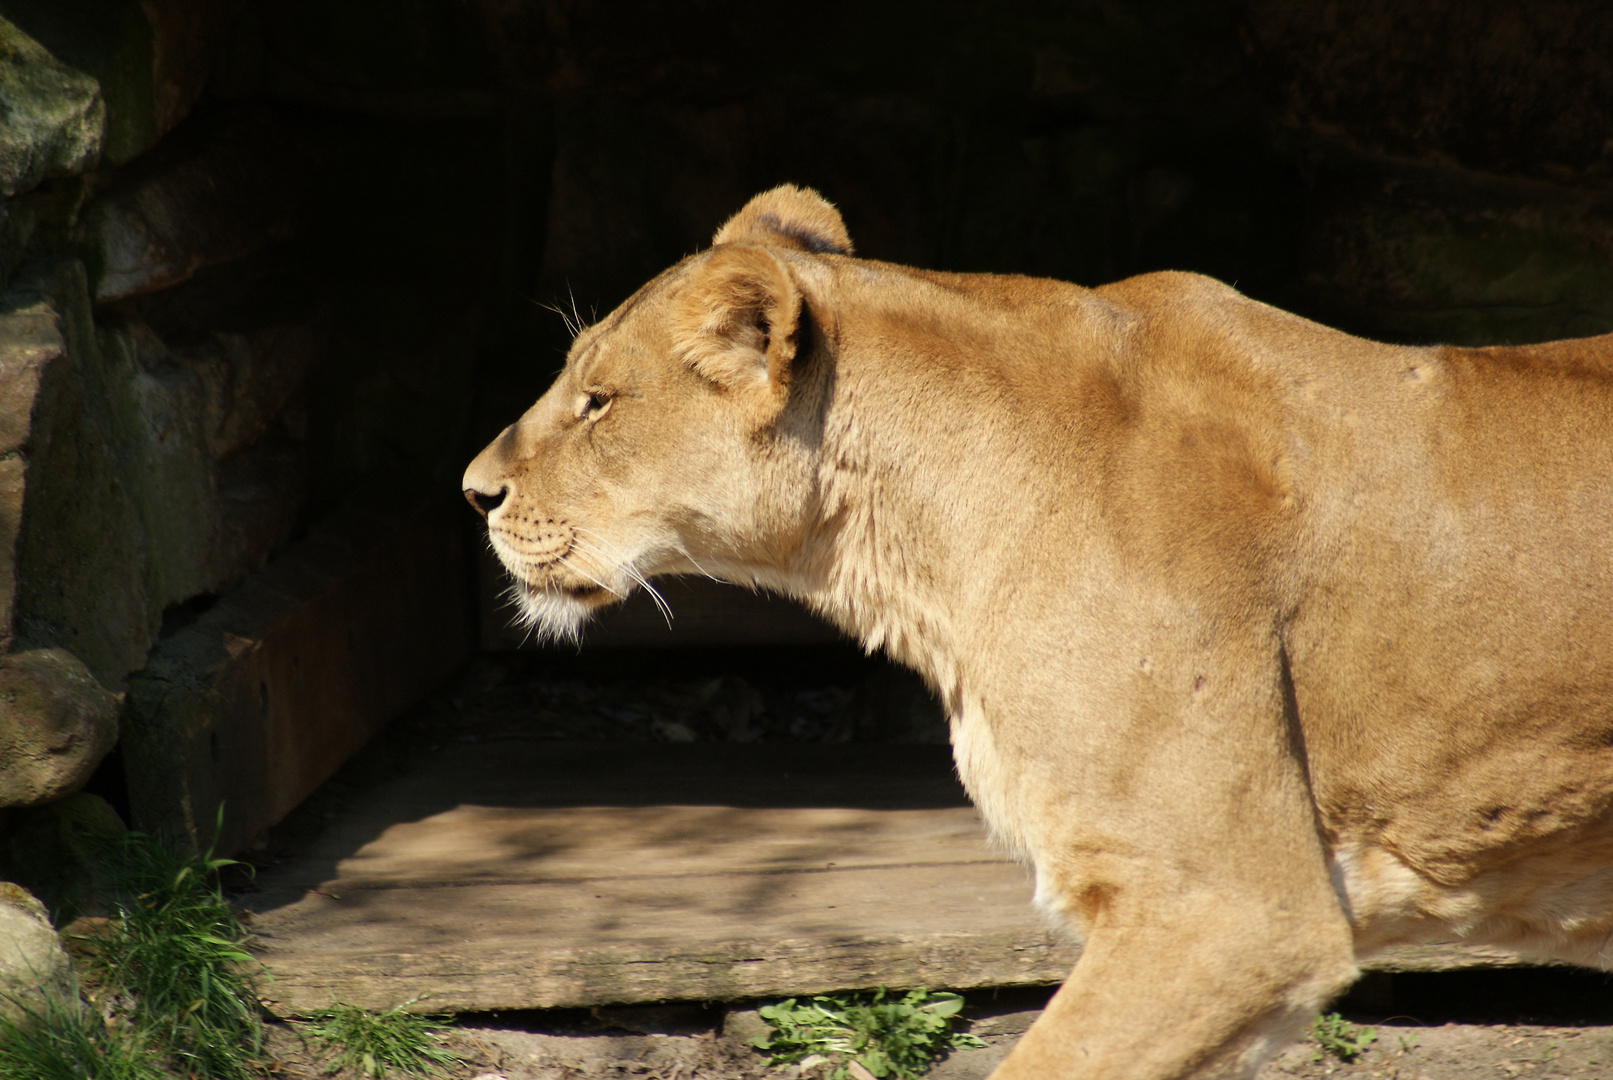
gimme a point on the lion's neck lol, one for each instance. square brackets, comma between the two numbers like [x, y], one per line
[935, 483]
[875, 577]
[912, 523]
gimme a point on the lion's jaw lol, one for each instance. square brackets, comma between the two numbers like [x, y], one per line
[556, 586]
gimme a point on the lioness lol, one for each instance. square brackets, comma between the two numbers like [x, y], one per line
[1265, 645]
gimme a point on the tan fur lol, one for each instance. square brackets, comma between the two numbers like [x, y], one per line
[1266, 646]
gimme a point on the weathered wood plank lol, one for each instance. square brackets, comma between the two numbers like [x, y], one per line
[533, 874]
[697, 937]
[504, 845]
[1443, 956]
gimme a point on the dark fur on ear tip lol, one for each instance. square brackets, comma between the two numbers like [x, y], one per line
[792, 217]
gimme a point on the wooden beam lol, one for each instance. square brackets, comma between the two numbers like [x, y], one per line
[528, 874]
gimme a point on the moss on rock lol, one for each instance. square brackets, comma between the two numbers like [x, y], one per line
[52, 116]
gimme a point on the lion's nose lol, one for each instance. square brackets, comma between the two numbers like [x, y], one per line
[482, 502]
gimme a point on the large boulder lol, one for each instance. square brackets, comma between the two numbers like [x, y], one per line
[56, 724]
[151, 58]
[34, 968]
[52, 116]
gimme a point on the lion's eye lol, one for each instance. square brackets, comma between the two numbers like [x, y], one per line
[594, 404]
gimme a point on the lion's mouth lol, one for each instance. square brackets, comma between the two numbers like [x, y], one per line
[585, 593]
[588, 593]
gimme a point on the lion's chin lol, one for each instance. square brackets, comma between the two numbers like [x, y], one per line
[559, 614]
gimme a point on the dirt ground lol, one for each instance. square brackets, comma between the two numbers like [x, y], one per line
[1551, 1025]
[566, 1048]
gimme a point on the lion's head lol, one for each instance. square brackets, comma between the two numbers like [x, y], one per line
[679, 436]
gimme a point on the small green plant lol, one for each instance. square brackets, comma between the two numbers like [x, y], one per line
[173, 963]
[898, 1038]
[1337, 1037]
[63, 1040]
[374, 1044]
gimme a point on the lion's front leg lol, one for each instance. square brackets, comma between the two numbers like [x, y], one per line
[1209, 990]
[1169, 817]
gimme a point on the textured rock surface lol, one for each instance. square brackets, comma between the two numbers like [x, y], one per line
[16, 229]
[33, 964]
[133, 477]
[52, 117]
[151, 58]
[30, 339]
[56, 724]
[81, 553]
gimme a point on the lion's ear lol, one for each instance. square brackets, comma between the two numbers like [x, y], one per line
[736, 323]
[789, 216]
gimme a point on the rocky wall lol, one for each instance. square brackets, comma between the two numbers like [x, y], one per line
[224, 303]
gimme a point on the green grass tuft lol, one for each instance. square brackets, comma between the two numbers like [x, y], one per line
[66, 1041]
[898, 1038]
[374, 1044]
[174, 961]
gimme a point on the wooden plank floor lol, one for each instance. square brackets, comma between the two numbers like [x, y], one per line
[530, 874]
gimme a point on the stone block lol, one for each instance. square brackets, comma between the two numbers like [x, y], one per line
[56, 724]
[258, 701]
[11, 487]
[261, 493]
[29, 340]
[34, 968]
[248, 380]
[52, 117]
[217, 481]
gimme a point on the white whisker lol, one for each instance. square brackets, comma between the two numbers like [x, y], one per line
[575, 314]
[568, 564]
[696, 564]
[573, 326]
[599, 551]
